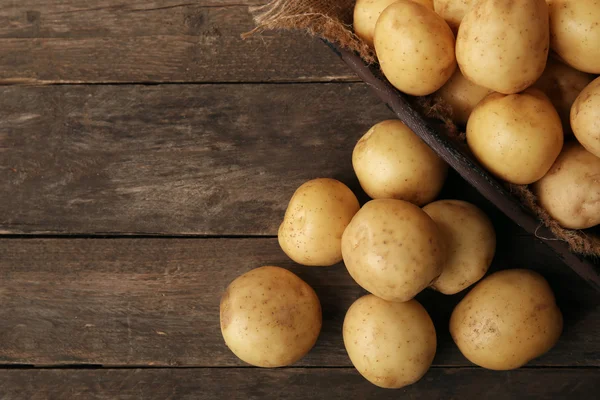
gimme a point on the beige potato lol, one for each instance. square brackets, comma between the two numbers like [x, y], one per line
[393, 249]
[575, 34]
[562, 84]
[470, 243]
[493, 49]
[415, 48]
[570, 191]
[392, 162]
[366, 13]
[585, 117]
[390, 344]
[453, 11]
[270, 317]
[506, 320]
[516, 137]
[318, 213]
[462, 95]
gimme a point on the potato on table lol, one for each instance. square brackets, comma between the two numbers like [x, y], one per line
[585, 117]
[391, 344]
[270, 317]
[393, 249]
[506, 320]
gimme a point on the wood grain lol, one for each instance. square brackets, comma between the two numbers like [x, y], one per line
[292, 384]
[172, 159]
[155, 302]
[76, 41]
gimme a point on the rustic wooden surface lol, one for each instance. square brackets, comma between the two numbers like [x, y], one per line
[146, 158]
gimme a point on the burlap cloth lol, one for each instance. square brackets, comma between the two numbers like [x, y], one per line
[332, 21]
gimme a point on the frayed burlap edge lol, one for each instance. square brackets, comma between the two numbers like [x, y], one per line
[322, 20]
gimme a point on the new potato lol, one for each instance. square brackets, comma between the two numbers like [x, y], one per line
[570, 191]
[391, 344]
[393, 249]
[585, 117]
[366, 13]
[391, 161]
[575, 34]
[318, 213]
[470, 243]
[493, 48]
[506, 320]
[462, 95]
[516, 137]
[415, 48]
[453, 11]
[270, 317]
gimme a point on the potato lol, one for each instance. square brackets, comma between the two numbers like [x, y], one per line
[391, 344]
[575, 34]
[516, 137]
[415, 48]
[585, 117]
[462, 95]
[366, 13]
[393, 249]
[570, 191]
[318, 213]
[494, 50]
[506, 320]
[562, 84]
[270, 317]
[470, 243]
[452, 11]
[392, 162]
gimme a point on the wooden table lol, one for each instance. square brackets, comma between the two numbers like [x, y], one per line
[147, 155]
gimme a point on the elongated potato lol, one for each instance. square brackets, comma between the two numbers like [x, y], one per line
[585, 117]
[496, 51]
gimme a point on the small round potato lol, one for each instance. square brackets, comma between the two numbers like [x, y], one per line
[506, 320]
[393, 249]
[470, 243]
[318, 213]
[270, 317]
[392, 162]
[585, 117]
[496, 51]
[366, 13]
[516, 137]
[453, 11]
[562, 84]
[415, 48]
[462, 95]
[391, 344]
[570, 191]
[575, 34]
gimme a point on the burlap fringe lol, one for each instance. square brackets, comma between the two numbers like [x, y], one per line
[332, 20]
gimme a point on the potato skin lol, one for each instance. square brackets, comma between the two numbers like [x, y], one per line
[494, 52]
[415, 48]
[585, 117]
[570, 191]
[390, 344]
[506, 320]
[575, 34]
[462, 95]
[393, 249]
[470, 243]
[562, 84]
[270, 317]
[392, 162]
[318, 213]
[366, 13]
[453, 11]
[516, 137]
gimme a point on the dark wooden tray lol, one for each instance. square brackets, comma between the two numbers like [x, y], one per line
[467, 167]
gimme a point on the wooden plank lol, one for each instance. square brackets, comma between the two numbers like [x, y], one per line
[171, 159]
[155, 302]
[75, 41]
[292, 384]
